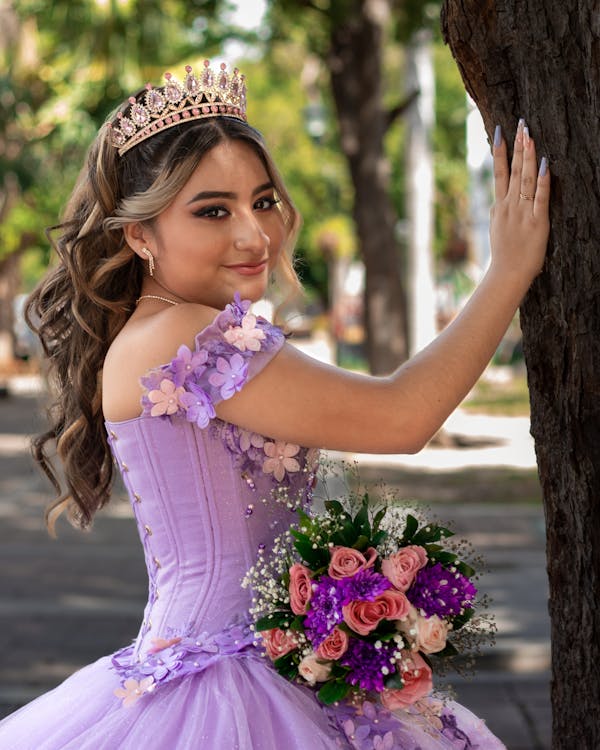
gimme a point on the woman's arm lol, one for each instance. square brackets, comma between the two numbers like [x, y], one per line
[299, 400]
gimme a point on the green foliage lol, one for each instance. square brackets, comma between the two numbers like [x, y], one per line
[333, 691]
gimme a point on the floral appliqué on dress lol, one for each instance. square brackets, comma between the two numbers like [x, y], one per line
[193, 382]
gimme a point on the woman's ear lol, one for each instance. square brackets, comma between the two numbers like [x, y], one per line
[140, 238]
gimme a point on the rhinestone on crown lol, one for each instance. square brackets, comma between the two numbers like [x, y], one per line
[211, 94]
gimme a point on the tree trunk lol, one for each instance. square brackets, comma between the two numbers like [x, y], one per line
[541, 61]
[356, 77]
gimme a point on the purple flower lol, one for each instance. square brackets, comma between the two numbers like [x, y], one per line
[162, 664]
[198, 406]
[239, 306]
[325, 610]
[364, 586]
[368, 664]
[230, 375]
[438, 591]
[188, 363]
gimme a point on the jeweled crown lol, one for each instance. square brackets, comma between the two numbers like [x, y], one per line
[210, 94]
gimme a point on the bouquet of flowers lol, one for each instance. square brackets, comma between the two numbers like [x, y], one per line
[363, 603]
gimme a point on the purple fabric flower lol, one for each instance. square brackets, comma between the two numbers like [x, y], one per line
[438, 591]
[198, 406]
[364, 586]
[229, 376]
[162, 664]
[325, 610]
[366, 663]
[187, 364]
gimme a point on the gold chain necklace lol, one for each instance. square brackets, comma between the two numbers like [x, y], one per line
[155, 296]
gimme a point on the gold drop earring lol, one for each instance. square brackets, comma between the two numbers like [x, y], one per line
[150, 260]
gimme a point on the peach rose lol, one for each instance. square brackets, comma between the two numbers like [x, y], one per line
[363, 617]
[346, 561]
[334, 645]
[314, 669]
[426, 634]
[278, 643]
[432, 633]
[417, 683]
[300, 588]
[402, 567]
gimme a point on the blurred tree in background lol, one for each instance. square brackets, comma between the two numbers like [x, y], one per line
[65, 65]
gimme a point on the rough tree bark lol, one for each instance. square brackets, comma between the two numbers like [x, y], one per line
[541, 60]
[355, 61]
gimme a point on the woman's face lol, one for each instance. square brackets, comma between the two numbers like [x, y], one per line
[223, 232]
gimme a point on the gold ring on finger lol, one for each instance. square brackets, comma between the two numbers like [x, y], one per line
[526, 197]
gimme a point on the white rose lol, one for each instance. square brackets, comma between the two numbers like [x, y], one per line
[314, 669]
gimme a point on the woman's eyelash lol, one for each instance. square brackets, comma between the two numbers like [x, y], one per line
[210, 211]
[270, 199]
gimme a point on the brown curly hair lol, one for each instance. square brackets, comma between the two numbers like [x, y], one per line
[85, 300]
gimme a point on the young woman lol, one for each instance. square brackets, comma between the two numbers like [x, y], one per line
[177, 223]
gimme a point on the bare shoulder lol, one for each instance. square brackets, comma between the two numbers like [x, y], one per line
[145, 342]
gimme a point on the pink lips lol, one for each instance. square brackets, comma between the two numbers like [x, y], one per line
[249, 269]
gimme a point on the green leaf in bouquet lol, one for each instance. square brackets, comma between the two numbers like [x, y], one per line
[449, 650]
[361, 519]
[297, 623]
[332, 691]
[443, 557]
[273, 620]
[429, 533]
[460, 620]
[361, 543]
[335, 507]
[393, 681]
[338, 671]
[379, 516]
[465, 569]
[286, 666]
[314, 557]
[409, 530]
[379, 537]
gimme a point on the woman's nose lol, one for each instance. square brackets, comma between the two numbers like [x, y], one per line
[249, 235]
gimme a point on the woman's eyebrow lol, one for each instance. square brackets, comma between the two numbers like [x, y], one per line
[210, 194]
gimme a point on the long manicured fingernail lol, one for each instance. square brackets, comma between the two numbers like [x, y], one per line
[526, 136]
[497, 136]
[543, 166]
[521, 124]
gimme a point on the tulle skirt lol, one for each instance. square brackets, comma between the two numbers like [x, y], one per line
[238, 703]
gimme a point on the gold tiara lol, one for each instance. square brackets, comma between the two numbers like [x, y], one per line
[208, 95]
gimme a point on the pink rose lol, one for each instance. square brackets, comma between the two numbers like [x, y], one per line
[402, 567]
[278, 643]
[346, 561]
[314, 669]
[334, 645]
[363, 617]
[432, 633]
[300, 588]
[416, 676]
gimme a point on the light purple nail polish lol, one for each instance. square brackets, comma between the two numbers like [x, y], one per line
[521, 123]
[543, 166]
[497, 136]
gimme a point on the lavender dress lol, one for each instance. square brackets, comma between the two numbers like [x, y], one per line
[208, 497]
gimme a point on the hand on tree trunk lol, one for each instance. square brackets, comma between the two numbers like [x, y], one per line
[519, 225]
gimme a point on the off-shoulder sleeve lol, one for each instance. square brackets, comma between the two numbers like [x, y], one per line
[228, 353]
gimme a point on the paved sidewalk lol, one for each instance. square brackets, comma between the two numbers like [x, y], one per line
[64, 603]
